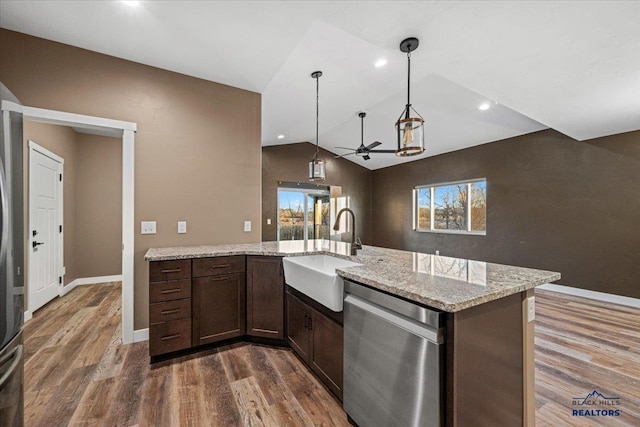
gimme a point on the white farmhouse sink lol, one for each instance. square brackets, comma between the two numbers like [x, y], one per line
[315, 276]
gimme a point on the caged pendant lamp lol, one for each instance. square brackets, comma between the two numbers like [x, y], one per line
[410, 124]
[317, 166]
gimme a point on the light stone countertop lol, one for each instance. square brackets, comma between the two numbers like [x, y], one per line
[444, 283]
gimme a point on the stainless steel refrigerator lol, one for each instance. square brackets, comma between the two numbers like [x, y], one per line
[11, 262]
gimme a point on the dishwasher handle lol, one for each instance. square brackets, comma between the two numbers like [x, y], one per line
[434, 335]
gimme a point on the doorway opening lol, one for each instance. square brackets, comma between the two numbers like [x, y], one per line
[126, 132]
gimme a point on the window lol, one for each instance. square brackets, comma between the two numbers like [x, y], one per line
[303, 214]
[458, 207]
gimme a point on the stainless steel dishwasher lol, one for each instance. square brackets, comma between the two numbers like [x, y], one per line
[393, 360]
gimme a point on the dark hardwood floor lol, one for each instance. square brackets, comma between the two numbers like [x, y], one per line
[78, 373]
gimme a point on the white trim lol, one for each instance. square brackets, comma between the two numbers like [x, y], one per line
[79, 120]
[27, 316]
[11, 106]
[65, 289]
[128, 230]
[141, 335]
[40, 149]
[126, 130]
[98, 279]
[599, 296]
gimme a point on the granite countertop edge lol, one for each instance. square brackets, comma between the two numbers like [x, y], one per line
[406, 288]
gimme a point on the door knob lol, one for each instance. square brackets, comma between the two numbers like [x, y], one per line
[36, 244]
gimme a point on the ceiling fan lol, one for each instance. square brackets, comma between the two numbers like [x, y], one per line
[363, 150]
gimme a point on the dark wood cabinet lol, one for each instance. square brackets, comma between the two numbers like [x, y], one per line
[219, 310]
[298, 315]
[318, 340]
[169, 306]
[327, 351]
[265, 297]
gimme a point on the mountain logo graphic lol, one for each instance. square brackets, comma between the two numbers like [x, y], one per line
[593, 396]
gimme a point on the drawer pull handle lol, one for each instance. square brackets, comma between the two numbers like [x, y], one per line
[175, 310]
[170, 337]
[218, 279]
[173, 270]
[213, 267]
[171, 291]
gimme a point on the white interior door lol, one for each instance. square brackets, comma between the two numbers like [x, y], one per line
[45, 195]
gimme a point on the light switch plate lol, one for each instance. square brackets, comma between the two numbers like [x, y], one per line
[182, 227]
[268, 221]
[531, 309]
[247, 226]
[148, 227]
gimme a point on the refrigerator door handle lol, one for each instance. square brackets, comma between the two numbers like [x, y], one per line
[16, 354]
[4, 239]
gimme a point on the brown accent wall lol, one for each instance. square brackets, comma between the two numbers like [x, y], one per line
[291, 163]
[197, 149]
[98, 206]
[553, 203]
[60, 140]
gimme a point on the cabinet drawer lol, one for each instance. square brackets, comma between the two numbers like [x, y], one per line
[218, 265]
[169, 336]
[160, 271]
[169, 310]
[167, 291]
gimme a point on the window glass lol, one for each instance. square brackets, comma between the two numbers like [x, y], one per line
[450, 207]
[424, 208]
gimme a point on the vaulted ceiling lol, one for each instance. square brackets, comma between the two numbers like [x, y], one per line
[569, 65]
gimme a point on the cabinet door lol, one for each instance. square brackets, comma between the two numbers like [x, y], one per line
[265, 297]
[327, 351]
[218, 308]
[298, 318]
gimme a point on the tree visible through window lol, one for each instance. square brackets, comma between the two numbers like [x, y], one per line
[457, 207]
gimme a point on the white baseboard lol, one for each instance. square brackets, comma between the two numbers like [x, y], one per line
[68, 288]
[141, 335]
[599, 296]
[27, 316]
[98, 279]
[89, 281]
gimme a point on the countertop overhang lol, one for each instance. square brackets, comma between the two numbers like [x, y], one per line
[445, 283]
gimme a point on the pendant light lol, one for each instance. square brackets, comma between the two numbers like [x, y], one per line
[410, 124]
[317, 166]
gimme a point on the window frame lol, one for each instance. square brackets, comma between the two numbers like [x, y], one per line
[432, 187]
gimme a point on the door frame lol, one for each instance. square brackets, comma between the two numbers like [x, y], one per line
[33, 146]
[126, 131]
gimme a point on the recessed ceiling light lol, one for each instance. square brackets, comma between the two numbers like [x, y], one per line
[381, 63]
[485, 106]
[131, 3]
[280, 136]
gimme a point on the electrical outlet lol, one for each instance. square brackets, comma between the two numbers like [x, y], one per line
[437, 252]
[531, 309]
[182, 227]
[148, 227]
[247, 226]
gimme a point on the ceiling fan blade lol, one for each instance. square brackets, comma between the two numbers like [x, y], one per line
[343, 155]
[382, 151]
[346, 148]
[373, 145]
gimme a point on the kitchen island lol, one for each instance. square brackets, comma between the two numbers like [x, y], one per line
[489, 364]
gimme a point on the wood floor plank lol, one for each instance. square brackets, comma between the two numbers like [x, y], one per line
[253, 406]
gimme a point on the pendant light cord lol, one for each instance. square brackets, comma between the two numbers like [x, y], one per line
[317, 112]
[408, 84]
